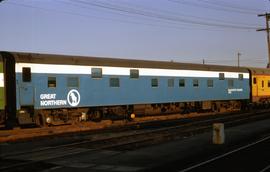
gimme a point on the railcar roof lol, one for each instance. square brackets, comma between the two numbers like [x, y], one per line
[101, 61]
[260, 71]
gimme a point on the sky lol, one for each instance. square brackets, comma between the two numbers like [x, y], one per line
[164, 30]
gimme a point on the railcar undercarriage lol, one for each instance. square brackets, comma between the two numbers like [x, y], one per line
[51, 117]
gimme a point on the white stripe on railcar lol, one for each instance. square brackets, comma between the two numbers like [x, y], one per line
[77, 69]
[2, 83]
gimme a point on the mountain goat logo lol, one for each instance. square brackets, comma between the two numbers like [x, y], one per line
[73, 97]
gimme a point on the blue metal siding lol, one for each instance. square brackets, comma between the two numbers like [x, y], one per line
[97, 92]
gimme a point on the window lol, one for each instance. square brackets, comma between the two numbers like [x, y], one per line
[262, 84]
[195, 83]
[181, 82]
[114, 82]
[51, 82]
[254, 80]
[96, 72]
[268, 83]
[230, 83]
[134, 73]
[26, 74]
[221, 76]
[240, 76]
[73, 82]
[210, 83]
[171, 82]
[154, 82]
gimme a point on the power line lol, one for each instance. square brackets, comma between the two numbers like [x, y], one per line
[118, 20]
[86, 16]
[163, 18]
[160, 16]
[185, 15]
[115, 12]
[111, 19]
[207, 6]
[86, 6]
[227, 5]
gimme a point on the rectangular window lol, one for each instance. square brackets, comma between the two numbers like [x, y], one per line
[254, 80]
[171, 82]
[268, 83]
[195, 83]
[154, 82]
[240, 76]
[230, 83]
[134, 73]
[96, 72]
[51, 82]
[114, 82]
[221, 76]
[210, 83]
[73, 82]
[26, 74]
[181, 82]
[262, 84]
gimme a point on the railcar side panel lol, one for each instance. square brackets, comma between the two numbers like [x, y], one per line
[51, 90]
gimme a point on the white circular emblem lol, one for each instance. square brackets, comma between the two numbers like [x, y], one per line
[73, 97]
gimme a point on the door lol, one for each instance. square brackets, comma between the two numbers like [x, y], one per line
[26, 95]
[26, 88]
[254, 87]
[261, 85]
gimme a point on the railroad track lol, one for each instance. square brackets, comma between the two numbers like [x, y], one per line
[125, 141]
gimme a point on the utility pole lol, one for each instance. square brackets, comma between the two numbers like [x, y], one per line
[267, 18]
[238, 59]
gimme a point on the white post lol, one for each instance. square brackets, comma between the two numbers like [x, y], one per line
[218, 133]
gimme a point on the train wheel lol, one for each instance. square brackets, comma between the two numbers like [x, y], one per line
[96, 116]
[214, 107]
[39, 120]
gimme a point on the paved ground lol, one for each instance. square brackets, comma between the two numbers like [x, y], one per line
[172, 156]
[252, 157]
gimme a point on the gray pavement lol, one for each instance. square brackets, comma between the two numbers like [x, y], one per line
[171, 156]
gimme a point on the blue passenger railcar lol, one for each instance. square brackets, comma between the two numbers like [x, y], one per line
[52, 88]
